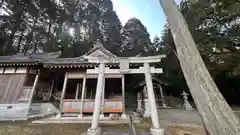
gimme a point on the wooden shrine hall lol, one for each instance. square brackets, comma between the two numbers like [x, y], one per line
[90, 84]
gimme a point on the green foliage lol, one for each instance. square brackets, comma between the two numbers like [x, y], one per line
[50, 25]
[71, 26]
[136, 39]
[215, 28]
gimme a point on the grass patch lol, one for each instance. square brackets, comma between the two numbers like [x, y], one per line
[185, 130]
[235, 108]
[144, 125]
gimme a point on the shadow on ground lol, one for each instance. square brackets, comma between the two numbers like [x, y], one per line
[174, 121]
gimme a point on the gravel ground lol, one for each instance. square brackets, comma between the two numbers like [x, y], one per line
[27, 128]
[172, 120]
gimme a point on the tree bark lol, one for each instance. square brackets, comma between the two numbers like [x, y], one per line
[216, 114]
[26, 46]
[35, 43]
[1, 3]
[10, 41]
[49, 28]
[20, 41]
[14, 30]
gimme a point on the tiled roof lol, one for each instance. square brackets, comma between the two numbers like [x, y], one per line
[54, 58]
[49, 59]
[99, 46]
[33, 57]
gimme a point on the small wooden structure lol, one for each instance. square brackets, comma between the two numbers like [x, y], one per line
[76, 85]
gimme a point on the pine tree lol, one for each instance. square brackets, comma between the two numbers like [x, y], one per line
[136, 39]
[72, 25]
[93, 20]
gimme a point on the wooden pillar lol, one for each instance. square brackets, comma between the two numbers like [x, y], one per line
[7, 89]
[83, 96]
[51, 90]
[123, 97]
[103, 100]
[91, 94]
[32, 91]
[77, 90]
[63, 91]
[162, 96]
[34, 87]
[97, 105]
[152, 102]
[86, 90]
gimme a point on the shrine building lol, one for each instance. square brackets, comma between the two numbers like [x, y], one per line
[89, 85]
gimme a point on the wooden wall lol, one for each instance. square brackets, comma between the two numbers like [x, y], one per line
[10, 87]
[4, 83]
[74, 106]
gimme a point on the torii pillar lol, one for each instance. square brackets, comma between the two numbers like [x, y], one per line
[124, 69]
[95, 129]
[155, 130]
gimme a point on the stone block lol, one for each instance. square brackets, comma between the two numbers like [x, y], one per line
[97, 131]
[155, 131]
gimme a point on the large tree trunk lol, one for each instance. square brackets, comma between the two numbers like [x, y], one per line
[26, 46]
[49, 28]
[19, 42]
[216, 114]
[14, 30]
[10, 41]
[1, 3]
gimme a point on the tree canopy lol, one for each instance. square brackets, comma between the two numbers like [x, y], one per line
[73, 26]
[136, 39]
[70, 26]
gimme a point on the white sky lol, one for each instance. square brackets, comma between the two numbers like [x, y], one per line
[148, 11]
[126, 11]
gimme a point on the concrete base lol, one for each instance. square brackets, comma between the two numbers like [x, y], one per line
[101, 116]
[155, 131]
[114, 117]
[80, 116]
[97, 131]
[85, 119]
[188, 109]
[58, 116]
[146, 115]
[140, 110]
[124, 116]
[164, 106]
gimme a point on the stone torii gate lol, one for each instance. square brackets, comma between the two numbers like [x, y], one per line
[146, 69]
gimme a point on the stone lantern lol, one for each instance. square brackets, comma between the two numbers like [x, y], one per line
[139, 103]
[186, 104]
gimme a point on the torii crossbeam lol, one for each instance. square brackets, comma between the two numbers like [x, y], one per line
[147, 70]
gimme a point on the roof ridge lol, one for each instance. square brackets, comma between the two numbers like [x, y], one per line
[99, 46]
